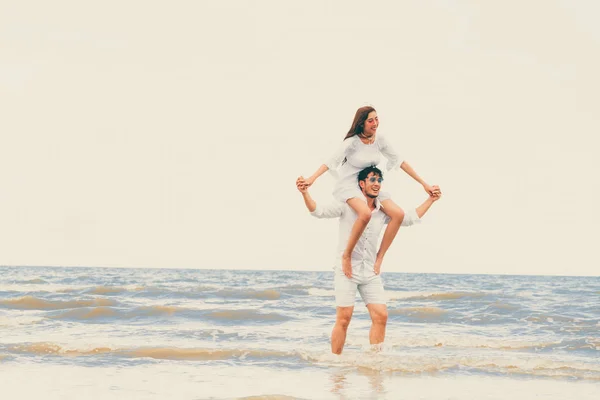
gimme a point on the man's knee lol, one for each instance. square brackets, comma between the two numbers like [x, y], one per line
[343, 322]
[343, 317]
[379, 314]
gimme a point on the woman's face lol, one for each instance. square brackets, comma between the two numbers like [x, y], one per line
[371, 124]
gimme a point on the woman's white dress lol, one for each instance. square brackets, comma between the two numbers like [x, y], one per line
[358, 156]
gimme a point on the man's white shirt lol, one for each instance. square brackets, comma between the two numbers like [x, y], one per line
[365, 251]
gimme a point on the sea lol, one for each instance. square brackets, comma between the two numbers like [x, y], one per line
[119, 333]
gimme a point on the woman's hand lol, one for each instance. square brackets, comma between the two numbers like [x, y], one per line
[301, 185]
[308, 181]
[429, 189]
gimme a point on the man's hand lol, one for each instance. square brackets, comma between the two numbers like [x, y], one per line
[347, 266]
[377, 267]
[301, 185]
[305, 181]
[436, 193]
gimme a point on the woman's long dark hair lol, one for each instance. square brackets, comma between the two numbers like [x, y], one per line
[358, 125]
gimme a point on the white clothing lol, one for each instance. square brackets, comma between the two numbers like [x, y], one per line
[358, 157]
[370, 287]
[365, 252]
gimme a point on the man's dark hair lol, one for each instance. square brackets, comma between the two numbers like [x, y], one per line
[362, 175]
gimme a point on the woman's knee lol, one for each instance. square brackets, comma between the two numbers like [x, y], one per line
[397, 213]
[363, 213]
[393, 210]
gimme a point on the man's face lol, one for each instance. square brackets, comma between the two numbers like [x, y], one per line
[371, 185]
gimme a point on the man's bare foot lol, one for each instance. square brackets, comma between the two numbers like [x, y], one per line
[376, 348]
[347, 266]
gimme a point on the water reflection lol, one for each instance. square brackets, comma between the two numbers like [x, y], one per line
[364, 383]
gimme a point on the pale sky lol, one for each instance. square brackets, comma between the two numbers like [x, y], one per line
[170, 134]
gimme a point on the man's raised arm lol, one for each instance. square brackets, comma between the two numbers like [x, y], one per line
[414, 216]
[330, 211]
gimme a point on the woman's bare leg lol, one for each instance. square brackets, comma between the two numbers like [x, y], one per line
[397, 215]
[363, 217]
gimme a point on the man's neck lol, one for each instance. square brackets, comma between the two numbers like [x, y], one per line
[370, 201]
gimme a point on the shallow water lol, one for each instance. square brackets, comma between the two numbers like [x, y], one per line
[250, 327]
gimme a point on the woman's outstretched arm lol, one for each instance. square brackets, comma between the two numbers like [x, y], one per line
[332, 163]
[311, 179]
[410, 171]
[394, 160]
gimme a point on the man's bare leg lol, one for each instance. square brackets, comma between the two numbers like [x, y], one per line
[338, 336]
[379, 316]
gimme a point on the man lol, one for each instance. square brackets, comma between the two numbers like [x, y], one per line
[363, 276]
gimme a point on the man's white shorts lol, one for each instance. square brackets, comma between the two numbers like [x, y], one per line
[369, 286]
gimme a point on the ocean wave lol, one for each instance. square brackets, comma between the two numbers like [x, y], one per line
[88, 313]
[115, 313]
[321, 292]
[223, 316]
[195, 292]
[447, 296]
[401, 295]
[420, 312]
[295, 286]
[34, 303]
[33, 281]
[542, 318]
[584, 344]
[409, 364]
[267, 294]
[158, 310]
[17, 320]
[212, 334]
[585, 329]
[530, 366]
[159, 353]
[66, 290]
[171, 353]
[295, 289]
[245, 315]
[107, 290]
[503, 307]
[45, 348]
[474, 342]
[79, 278]
[269, 397]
